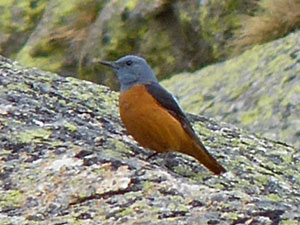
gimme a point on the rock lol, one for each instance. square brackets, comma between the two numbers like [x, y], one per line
[66, 159]
[66, 36]
[258, 90]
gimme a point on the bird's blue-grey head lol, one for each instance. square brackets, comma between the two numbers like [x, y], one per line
[131, 70]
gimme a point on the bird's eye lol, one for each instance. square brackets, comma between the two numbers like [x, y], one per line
[128, 63]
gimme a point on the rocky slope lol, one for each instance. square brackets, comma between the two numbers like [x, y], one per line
[66, 159]
[258, 90]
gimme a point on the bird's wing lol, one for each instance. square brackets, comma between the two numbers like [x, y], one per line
[168, 101]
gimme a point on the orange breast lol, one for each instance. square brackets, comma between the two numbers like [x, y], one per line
[150, 124]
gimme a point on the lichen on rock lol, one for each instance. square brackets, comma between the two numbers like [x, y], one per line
[66, 158]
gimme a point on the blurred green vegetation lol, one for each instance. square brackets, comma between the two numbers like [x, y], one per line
[67, 37]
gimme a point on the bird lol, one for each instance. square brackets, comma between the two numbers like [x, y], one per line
[153, 116]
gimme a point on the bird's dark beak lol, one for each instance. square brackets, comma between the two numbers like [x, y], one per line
[112, 65]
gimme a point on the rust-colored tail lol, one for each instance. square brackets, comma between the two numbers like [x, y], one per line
[202, 155]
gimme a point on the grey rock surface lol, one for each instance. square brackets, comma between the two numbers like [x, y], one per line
[258, 90]
[66, 159]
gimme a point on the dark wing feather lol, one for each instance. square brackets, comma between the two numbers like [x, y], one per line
[167, 100]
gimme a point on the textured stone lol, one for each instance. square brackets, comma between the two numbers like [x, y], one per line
[258, 90]
[66, 159]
